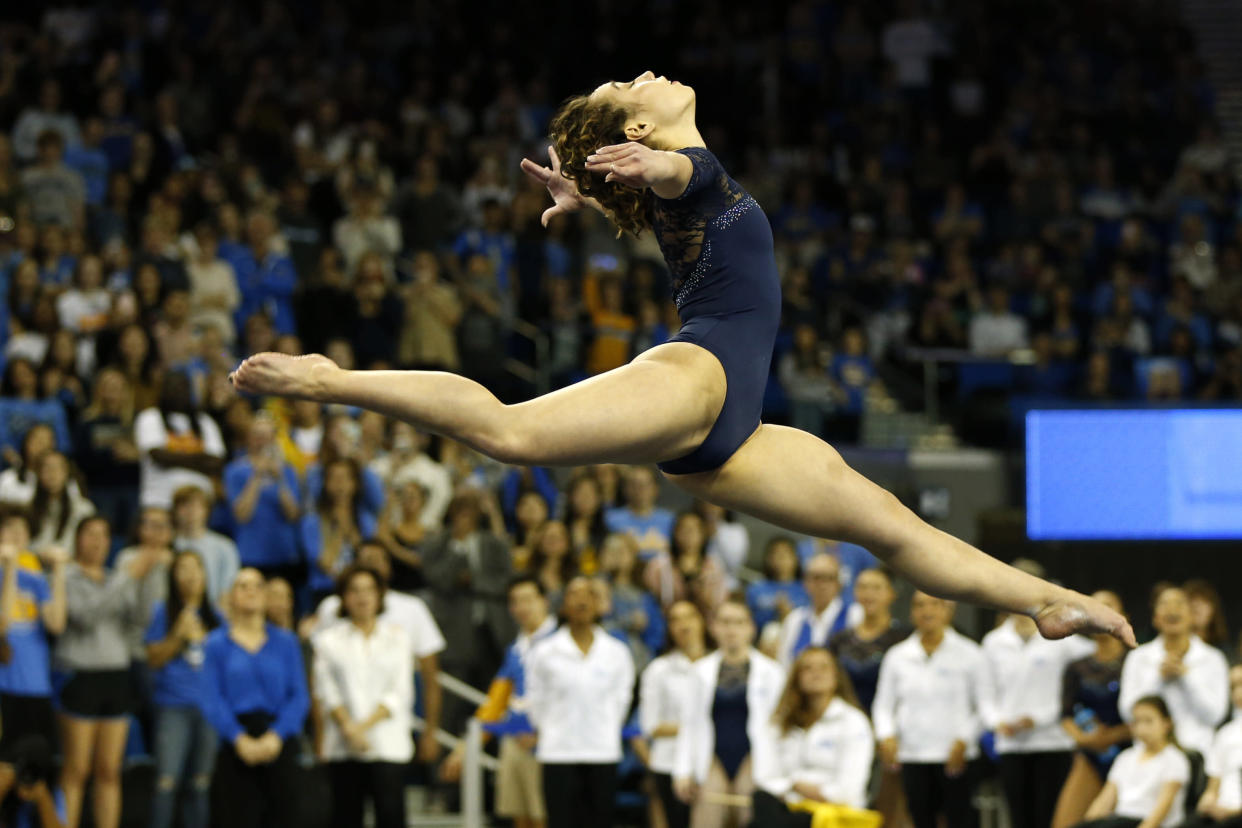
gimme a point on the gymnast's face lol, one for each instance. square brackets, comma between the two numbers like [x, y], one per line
[654, 103]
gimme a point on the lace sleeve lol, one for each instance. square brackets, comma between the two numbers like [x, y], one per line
[706, 169]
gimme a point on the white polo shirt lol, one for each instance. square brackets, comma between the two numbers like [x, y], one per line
[578, 701]
[834, 755]
[1224, 761]
[929, 702]
[1139, 782]
[361, 672]
[1198, 701]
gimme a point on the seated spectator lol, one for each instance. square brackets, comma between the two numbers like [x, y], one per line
[929, 702]
[262, 491]
[551, 561]
[468, 569]
[332, 533]
[57, 507]
[664, 687]
[819, 743]
[579, 684]
[1145, 785]
[772, 598]
[255, 697]
[179, 444]
[731, 701]
[686, 572]
[1192, 677]
[634, 611]
[997, 331]
[364, 683]
[426, 642]
[97, 698]
[28, 772]
[650, 525]
[32, 611]
[105, 450]
[826, 613]
[402, 532]
[218, 553]
[184, 741]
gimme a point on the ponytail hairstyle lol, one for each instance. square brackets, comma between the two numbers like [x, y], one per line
[579, 128]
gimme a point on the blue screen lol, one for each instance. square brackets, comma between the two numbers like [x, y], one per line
[1137, 474]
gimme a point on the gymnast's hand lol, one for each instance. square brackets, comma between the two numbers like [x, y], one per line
[563, 190]
[304, 377]
[637, 165]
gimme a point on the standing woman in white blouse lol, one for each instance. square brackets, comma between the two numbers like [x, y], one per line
[731, 701]
[662, 694]
[935, 692]
[364, 681]
[1191, 676]
[821, 745]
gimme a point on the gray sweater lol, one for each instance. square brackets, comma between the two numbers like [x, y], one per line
[100, 616]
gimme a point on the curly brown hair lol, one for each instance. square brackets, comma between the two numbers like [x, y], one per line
[794, 708]
[582, 126]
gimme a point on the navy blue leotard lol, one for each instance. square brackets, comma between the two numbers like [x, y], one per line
[717, 243]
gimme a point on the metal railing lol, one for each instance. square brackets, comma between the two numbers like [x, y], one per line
[537, 374]
[474, 760]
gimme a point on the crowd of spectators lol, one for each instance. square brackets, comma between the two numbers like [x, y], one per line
[211, 580]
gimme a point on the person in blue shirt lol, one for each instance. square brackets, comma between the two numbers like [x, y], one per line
[651, 526]
[340, 439]
[90, 161]
[265, 277]
[22, 408]
[332, 533]
[262, 491]
[781, 588]
[255, 697]
[185, 743]
[30, 611]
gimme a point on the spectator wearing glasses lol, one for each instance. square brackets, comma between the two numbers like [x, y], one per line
[827, 614]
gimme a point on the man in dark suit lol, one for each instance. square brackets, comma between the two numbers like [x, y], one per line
[468, 569]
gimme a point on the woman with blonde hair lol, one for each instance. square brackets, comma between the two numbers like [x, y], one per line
[819, 745]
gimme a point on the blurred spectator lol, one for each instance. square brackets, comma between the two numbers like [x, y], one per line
[18, 481]
[184, 741]
[34, 121]
[934, 690]
[402, 532]
[467, 569]
[579, 684]
[665, 685]
[731, 700]
[426, 642]
[584, 517]
[32, 610]
[428, 209]
[28, 773]
[56, 193]
[819, 742]
[332, 533]
[217, 553]
[1192, 677]
[650, 525]
[22, 408]
[365, 229]
[342, 441]
[997, 332]
[279, 601]
[432, 311]
[634, 611]
[96, 700]
[686, 572]
[214, 296]
[1207, 613]
[262, 492]
[551, 561]
[827, 613]
[1221, 802]
[407, 459]
[781, 589]
[106, 452]
[85, 306]
[179, 444]
[519, 779]
[1027, 672]
[530, 514]
[612, 329]
[57, 507]
[364, 681]
[1146, 783]
[804, 375]
[90, 162]
[728, 541]
[1090, 716]
[265, 275]
[379, 314]
[255, 698]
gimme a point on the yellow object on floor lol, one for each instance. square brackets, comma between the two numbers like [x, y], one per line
[825, 815]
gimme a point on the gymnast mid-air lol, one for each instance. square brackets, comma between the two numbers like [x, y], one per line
[631, 150]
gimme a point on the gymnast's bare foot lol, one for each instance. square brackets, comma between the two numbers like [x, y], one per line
[1077, 613]
[285, 376]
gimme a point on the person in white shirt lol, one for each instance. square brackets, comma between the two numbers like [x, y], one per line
[364, 683]
[425, 639]
[519, 779]
[731, 701]
[178, 445]
[1221, 802]
[828, 614]
[407, 460]
[820, 745]
[579, 685]
[934, 693]
[1192, 677]
[662, 692]
[1035, 751]
[1145, 784]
